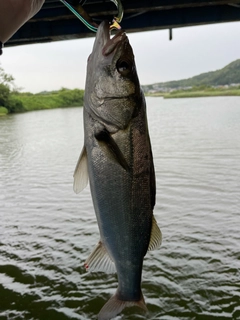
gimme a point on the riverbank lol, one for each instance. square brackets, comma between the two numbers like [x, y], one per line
[22, 102]
[51, 100]
[3, 111]
[196, 93]
[26, 101]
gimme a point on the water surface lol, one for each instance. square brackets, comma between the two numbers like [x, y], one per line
[47, 232]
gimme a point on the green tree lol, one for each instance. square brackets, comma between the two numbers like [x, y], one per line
[5, 78]
[7, 100]
[4, 94]
[71, 97]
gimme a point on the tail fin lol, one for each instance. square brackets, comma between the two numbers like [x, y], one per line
[114, 306]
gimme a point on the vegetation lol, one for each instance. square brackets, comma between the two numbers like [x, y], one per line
[50, 100]
[215, 83]
[203, 91]
[225, 76]
[197, 94]
[11, 100]
[3, 111]
[7, 100]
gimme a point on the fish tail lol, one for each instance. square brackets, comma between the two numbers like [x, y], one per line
[114, 306]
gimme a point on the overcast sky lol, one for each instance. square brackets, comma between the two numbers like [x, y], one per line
[192, 51]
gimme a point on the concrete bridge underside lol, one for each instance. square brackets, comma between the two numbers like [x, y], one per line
[55, 22]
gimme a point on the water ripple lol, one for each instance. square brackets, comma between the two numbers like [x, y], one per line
[47, 232]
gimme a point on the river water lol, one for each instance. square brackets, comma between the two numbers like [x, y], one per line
[47, 231]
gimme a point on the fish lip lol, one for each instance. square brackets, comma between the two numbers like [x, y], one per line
[110, 44]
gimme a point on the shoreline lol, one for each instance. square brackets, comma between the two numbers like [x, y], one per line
[20, 102]
[196, 93]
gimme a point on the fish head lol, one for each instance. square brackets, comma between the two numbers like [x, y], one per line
[112, 92]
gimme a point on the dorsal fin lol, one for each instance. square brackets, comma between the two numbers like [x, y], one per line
[152, 182]
[156, 236]
[81, 172]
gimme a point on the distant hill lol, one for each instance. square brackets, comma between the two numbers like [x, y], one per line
[225, 76]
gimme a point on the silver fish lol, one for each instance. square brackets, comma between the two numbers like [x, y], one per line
[117, 158]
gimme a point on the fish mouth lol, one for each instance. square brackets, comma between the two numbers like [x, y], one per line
[110, 44]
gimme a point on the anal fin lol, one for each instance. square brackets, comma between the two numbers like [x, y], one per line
[99, 260]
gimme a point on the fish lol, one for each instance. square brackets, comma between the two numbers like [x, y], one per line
[117, 161]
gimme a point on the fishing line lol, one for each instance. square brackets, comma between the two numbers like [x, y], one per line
[82, 15]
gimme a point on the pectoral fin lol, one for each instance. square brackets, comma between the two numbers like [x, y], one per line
[105, 140]
[81, 172]
[156, 236]
[99, 260]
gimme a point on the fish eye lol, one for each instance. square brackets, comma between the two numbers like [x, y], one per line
[124, 67]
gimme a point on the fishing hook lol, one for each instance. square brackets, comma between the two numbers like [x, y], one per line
[82, 15]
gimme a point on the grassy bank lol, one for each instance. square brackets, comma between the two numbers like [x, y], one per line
[13, 101]
[3, 111]
[50, 100]
[202, 91]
